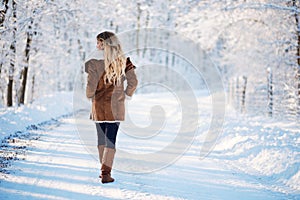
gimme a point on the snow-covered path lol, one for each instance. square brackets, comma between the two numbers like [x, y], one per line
[58, 166]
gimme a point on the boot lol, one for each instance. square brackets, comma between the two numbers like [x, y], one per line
[107, 162]
[100, 151]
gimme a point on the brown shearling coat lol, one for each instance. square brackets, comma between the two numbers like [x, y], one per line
[108, 99]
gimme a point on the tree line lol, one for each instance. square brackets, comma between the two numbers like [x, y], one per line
[256, 45]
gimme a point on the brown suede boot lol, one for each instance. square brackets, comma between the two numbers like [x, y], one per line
[107, 162]
[100, 152]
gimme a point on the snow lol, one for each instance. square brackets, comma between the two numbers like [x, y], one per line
[254, 158]
[45, 108]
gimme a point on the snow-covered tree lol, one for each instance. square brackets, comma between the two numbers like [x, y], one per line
[52, 39]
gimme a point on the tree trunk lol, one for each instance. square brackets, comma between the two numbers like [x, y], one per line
[139, 10]
[9, 93]
[244, 94]
[297, 20]
[237, 93]
[25, 71]
[146, 34]
[32, 88]
[82, 59]
[2, 19]
[23, 87]
[12, 57]
[270, 92]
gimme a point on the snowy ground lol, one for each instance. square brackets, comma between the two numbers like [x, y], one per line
[44, 109]
[255, 158]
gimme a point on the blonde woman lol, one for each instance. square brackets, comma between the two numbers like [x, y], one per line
[105, 86]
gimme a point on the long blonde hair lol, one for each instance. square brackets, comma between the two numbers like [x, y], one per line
[114, 59]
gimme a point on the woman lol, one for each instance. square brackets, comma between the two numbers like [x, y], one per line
[105, 86]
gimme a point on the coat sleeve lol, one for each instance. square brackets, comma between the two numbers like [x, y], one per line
[131, 78]
[92, 79]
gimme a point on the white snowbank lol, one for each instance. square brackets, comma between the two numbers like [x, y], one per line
[265, 148]
[44, 109]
